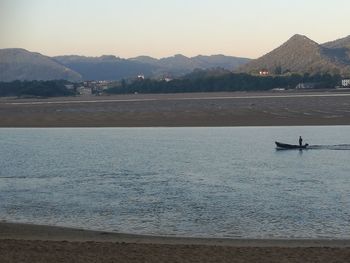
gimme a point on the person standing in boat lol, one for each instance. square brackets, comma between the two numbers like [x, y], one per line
[300, 141]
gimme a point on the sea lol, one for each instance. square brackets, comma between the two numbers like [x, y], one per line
[227, 182]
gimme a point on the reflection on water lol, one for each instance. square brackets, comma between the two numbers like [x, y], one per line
[217, 182]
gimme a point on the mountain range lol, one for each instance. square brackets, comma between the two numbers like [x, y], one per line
[298, 55]
[20, 64]
[303, 55]
[114, 68]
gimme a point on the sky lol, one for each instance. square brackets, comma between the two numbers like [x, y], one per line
[161, 28]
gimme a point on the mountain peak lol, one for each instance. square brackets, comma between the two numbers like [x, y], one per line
[108, 57]
[15, 50]
[180, 56]
[299, 54]
[297, 38]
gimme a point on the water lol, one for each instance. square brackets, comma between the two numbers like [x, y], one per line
[201, 182]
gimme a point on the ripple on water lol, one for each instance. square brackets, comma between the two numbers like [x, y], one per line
[217, 182]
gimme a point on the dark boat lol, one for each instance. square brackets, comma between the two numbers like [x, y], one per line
[290, 146]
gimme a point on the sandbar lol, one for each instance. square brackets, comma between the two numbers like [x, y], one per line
[289, 108]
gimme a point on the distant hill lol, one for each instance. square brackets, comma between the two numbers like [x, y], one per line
[302, 55]
[298, 55]
[145, 59]
[339, 43]
[114, 68]
[105, 67]
[20, 64]
[180, 65]
[342, 46]
[219, 61]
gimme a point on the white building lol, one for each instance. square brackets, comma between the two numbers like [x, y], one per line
[69, 86]
[306, 85]
[345, 82]
[84, 90]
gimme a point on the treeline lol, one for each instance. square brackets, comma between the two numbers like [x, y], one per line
[202, 82]
[198, 81]
[54, 88]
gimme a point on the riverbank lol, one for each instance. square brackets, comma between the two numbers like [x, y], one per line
[33, 243]
[180, 110]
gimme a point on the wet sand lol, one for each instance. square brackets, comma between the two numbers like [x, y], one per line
[32, 243]
[177, 110]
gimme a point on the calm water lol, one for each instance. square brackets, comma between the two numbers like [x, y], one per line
[204, 182]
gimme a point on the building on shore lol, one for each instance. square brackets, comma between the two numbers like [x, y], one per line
[264, 72]
[345, 83]
[96, 87]
[307, 85]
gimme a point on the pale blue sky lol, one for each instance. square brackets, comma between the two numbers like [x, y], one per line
[159, 28]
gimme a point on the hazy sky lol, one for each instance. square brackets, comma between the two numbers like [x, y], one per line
[159, 28]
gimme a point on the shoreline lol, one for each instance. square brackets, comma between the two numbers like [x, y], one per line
[227, 109]
[32, 243]
[23, 231]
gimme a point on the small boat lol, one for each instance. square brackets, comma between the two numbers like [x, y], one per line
[290, 146]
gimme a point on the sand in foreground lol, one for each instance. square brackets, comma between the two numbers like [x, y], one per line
[30, 243]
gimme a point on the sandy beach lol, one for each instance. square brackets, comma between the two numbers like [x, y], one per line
[32, 243]
[177, 110]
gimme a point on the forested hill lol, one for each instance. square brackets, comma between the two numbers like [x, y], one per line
[303, 55]
[339, 43]
[225, 81]
[53, 88]
[115, 68]
[20, 64]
